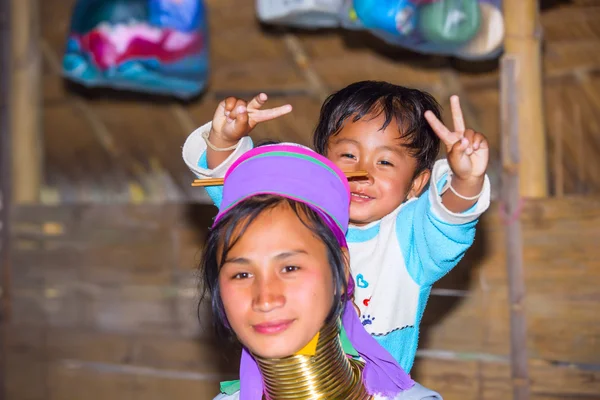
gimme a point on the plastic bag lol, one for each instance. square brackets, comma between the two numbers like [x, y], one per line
[300, 13]
[469, 29]
[151, 46]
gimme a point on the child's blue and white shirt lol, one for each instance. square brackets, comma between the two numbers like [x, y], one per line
[394, 261]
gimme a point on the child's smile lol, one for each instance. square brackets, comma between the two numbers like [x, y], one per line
[358, 196]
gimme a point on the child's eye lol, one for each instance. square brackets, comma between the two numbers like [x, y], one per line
[290, 268]
[347, 155]
[241, 275]
[384, 162]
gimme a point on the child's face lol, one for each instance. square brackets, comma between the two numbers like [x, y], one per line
[276, 285]
[362, 145]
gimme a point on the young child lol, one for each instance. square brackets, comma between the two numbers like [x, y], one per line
[403, 237]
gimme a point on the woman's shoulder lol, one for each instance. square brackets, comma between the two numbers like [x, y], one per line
[417, 392]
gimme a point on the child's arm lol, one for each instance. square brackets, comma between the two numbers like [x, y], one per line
[442, 221]
[434, 239]
[195, 157]
[232, 122]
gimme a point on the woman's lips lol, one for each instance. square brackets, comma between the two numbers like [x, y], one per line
[273, 327]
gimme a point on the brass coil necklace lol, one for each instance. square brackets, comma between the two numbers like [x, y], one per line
[328, 375]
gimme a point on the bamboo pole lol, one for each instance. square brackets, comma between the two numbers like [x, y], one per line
[582, 183]
[509, 119]
[26, 101]
[523, 43]
[559, 170]
[4, 189]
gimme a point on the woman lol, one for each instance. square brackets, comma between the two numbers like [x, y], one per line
[276, 267]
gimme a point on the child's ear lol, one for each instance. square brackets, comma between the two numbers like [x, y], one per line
[419, 183]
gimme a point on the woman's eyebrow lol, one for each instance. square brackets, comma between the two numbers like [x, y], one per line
[237, 260]
[280, 256]
[290, 253]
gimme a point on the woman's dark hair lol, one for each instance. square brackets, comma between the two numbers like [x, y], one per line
[371, 98]
[237, 220]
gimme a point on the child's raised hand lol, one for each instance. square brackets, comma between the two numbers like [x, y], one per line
[468, 151]
[234, 118]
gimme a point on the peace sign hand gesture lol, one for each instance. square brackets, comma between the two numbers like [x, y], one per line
[468, 151]
[234, 118]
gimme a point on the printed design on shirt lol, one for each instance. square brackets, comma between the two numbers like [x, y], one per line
[386, 295]
[384, 288]
[361, 282]
[393, 330]
[367, 319]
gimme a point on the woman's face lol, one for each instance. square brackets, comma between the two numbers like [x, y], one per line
[276, 284]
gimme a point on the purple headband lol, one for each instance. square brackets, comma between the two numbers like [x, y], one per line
[298, 173]
[295, 172]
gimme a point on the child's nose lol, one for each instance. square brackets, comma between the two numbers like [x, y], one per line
[369, 170]
[366, 179]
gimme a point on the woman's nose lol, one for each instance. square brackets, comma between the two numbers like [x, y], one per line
[268, 294]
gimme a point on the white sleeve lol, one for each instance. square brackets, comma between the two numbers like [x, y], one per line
[439, 177]
[195, 146]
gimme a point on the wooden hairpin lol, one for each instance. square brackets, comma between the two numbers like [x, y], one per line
[219, 181]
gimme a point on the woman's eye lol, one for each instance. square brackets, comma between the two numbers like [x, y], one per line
[241, 275]
[290, 268]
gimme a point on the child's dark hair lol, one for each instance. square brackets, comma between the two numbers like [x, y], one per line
[267, 142]
[221, 239]
[371, 98]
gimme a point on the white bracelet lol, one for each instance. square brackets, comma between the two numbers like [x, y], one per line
[464, 197]
[448, 185]
[205, 135]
